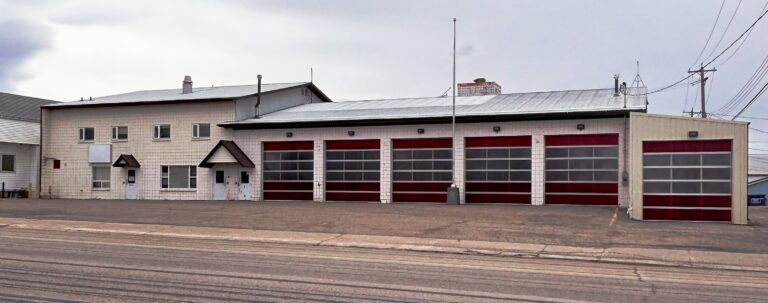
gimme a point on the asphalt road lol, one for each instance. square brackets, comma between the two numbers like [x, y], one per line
[37, 266]
[586, 226]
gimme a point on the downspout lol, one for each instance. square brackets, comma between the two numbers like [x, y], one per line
[40, 158]
[625, 173]
[258, 97]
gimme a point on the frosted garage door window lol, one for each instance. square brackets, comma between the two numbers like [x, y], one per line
[352, 165]
[288, 165]
[582, 164]
[687, 173]
[422, 165]
[498, 164]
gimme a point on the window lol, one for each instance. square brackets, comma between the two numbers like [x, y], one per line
[352, 165]
[86, 134]
[288, 165]
[162, 131]
[687, 173]
[201, 131]
[179, 177]
[100, 178]
[582, 164]
[8, 164]
[422, 165]
[119, 132]
[498, 164]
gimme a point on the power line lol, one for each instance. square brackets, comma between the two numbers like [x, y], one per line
[742, 41]
[737, 39]
[762, 90]
[727, 26]
[741, 117]
[710, 35]
[748, 87]
[759, 130]
[765, 150]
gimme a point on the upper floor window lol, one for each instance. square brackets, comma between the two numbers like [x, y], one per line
[8, 163]
[86, 134]
[162, 131]
[201, 131]
[119, 132]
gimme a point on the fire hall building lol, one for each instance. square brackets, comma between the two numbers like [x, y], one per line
[290, 142]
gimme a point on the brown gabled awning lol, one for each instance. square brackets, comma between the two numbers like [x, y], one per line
[233, 150]
[126, 160]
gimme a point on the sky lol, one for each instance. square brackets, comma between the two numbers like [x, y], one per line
[68, 49]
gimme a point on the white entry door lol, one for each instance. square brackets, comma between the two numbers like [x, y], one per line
[130, 184]
[219, 185]
[244, 192]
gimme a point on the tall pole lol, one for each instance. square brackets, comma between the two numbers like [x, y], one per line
[453, 191]
[453, 114]
[703, 80]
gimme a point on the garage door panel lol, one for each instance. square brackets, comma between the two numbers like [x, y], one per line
[687, 214]
[581, 169]
[352, 170]
[687, 201]
[288, 170]
[498, 169]
[687, 180]
[352, 186]
[581, 187]
[499, 187]
[421, 169]
[582, 199]
[499, 198]
[287, 196]
[352, 196]
[304, 186]
[420, 197]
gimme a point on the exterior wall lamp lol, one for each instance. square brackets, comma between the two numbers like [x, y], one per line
[420, 130]
[580, 126]
[289, 134]
[496, 129]
[351, 133]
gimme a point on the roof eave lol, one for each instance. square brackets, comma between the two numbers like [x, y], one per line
[431, 120]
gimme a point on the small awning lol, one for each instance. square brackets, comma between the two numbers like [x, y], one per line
[126, 160]
[231, 153]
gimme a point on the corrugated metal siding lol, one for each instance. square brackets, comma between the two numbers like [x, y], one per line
[646, 127]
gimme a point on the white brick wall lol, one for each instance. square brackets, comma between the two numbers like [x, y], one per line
[249, 140]
[73, 180]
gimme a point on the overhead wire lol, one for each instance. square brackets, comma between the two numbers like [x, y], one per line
[738, 38]
[719, 12]
[752, 101]
[742, 41]
[725, 31]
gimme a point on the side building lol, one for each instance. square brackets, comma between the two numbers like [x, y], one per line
[577, 147]
[19, 143]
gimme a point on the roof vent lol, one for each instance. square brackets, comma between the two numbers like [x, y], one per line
[480, 80]
[186, 87]
[615, 85]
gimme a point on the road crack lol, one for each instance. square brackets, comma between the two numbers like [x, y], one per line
[641, 280]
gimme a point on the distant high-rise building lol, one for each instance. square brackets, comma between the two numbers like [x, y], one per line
[479, 88]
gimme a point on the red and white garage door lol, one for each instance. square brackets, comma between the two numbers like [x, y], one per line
[352, 170]
[687, 180]
[421, 169]
[288, 170]
[498, 169]
[582, 169]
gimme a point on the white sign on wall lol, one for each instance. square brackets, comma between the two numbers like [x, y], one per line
[100, 153]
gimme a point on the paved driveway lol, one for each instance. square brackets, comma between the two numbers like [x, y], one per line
[557, 225]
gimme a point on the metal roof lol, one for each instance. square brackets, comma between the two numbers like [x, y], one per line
[757, 164]
[19, 107]
[575, 102]
[198, 93]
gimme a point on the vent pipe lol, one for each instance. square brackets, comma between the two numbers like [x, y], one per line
[258, 96]
[615, 85]
[186, 86]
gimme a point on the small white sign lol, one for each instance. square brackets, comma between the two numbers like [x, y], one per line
[100, 153]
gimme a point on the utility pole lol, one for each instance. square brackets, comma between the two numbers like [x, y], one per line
[703, 80]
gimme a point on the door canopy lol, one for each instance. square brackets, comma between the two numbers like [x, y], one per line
[126, 160]
[226, 152]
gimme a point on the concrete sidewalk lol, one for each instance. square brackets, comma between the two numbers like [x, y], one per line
[628, 255]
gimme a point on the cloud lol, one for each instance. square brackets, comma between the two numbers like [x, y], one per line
[19, 41]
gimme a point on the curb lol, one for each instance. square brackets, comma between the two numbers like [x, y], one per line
[621, 255]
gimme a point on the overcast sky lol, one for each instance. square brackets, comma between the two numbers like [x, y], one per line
[64, 50]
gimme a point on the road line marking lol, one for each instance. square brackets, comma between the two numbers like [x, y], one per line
[614, 217]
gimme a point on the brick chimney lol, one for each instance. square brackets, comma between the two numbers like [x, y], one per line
[479, 87]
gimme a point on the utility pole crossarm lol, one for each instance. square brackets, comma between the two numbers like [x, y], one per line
[701, 71]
